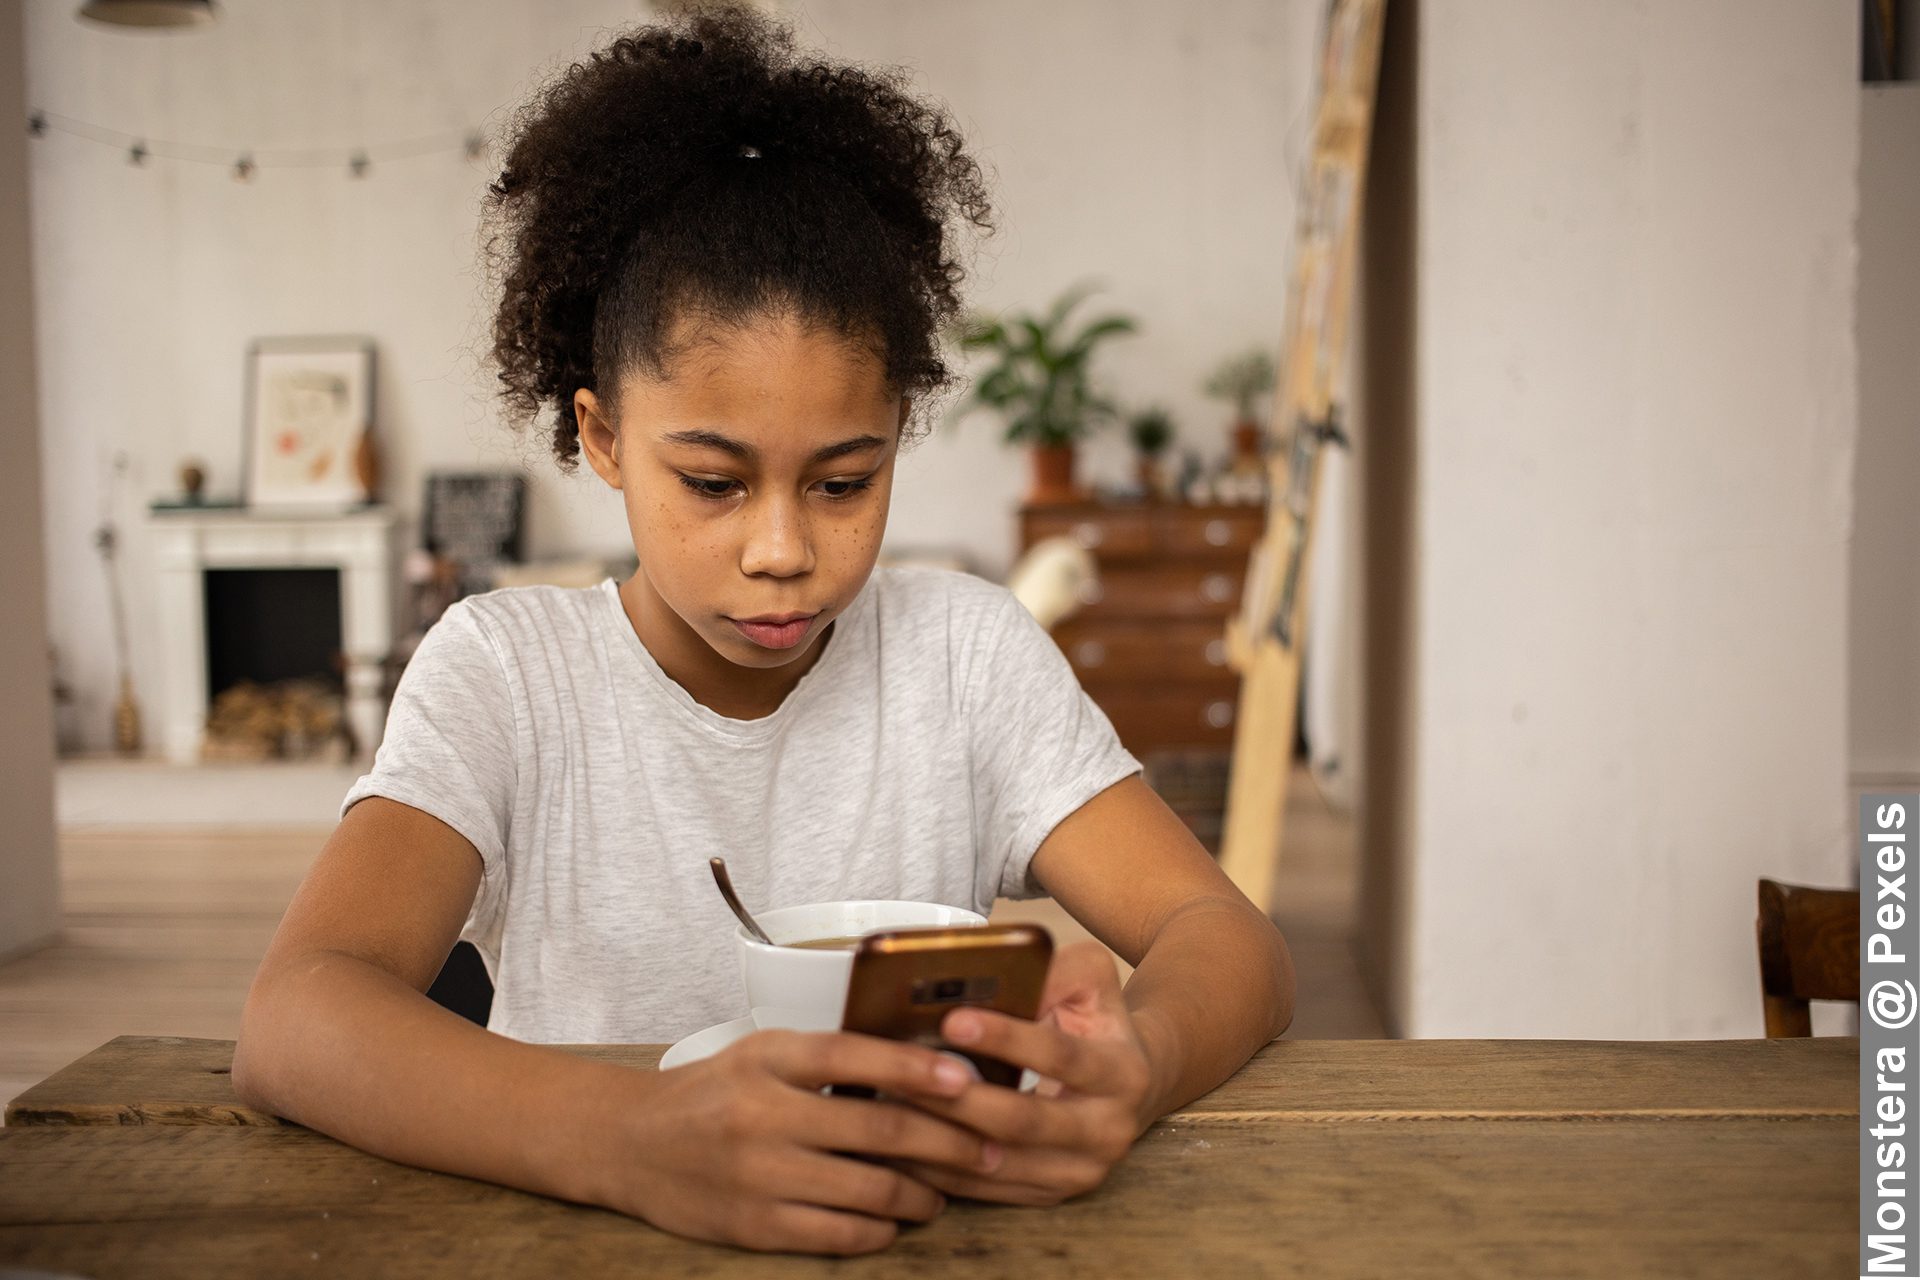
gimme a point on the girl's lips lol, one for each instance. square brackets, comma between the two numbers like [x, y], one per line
[776, 635]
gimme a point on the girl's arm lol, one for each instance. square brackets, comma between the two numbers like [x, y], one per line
[1213, 979]
[338, 1036]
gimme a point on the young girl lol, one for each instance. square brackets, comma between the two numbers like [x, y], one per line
[725, 268]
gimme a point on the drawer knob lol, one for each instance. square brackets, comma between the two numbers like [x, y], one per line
[1090, 593]
[1216, 653]
[1090, 653]
[1088, 534]
[1216, 588]
[1219, 533]
[1219, 714]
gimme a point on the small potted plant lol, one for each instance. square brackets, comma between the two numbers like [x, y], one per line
[1040, 382]
[1240, 379]
[1151, 431]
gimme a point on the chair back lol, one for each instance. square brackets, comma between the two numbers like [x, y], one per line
[1809, 950]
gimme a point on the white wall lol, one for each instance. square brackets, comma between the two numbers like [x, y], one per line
[1142, 143]
[1885, 590]
[29, 869]
[1633, 414]
[1149, 145]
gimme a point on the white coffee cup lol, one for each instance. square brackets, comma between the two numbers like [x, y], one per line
[802, 989]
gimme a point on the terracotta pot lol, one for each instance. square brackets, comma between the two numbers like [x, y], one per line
[1146, 473]
[1052, 474]
[1246, 444]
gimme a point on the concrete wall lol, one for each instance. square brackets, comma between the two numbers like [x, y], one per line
[1145, 144]
[1622, 638]
[29, 868]
[1885, 591]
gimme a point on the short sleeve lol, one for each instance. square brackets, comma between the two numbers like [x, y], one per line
[448, 749]
[1041, 749]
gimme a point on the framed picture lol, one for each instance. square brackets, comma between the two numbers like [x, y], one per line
[309, 422]
[474, 519]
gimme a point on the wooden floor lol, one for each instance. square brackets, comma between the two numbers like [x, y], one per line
[163, 930]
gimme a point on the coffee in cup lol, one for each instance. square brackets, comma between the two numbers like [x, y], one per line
[800, 982]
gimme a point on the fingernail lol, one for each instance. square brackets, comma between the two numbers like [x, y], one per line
[990, 1156]
[964, 1028]
[951, 1074]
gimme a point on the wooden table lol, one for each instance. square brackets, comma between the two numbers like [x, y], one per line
[1321, 1158]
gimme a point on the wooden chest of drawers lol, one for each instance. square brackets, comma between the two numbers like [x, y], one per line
[1150, 646]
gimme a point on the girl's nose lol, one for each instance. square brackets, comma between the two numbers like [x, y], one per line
[779, 545]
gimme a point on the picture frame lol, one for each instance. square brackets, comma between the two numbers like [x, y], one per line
[309, 421]
[476, 520]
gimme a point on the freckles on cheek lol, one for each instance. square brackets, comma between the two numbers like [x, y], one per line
[656, 525]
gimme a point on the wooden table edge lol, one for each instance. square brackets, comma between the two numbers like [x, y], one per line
[1481, 1113]
[36, 1106]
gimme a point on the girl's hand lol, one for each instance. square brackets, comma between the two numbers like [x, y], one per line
[743, 1148]
[1062, 1139]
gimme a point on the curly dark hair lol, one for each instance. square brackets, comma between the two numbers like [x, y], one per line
[698, 170]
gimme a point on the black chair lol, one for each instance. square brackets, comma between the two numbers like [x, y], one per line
[463, 985]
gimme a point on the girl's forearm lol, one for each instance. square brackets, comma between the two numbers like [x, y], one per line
[340, 1045]
[1216, 984]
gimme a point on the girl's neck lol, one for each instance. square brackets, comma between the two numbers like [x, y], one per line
[723, 687]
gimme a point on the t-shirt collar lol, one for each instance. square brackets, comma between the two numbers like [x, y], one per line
[840, 640]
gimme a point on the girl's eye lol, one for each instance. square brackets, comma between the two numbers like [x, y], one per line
[837, 490]
[709, 488]
[845, 488]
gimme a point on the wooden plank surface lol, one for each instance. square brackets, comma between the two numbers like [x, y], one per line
[1746, 1198]
[176, 1080]
[169, 1080]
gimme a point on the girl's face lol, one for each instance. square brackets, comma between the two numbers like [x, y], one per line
[756, 482]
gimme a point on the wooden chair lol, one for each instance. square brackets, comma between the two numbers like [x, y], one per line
[1809, 950]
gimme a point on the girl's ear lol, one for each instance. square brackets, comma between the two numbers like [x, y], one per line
[599, 437]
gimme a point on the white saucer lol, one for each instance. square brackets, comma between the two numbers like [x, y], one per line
[704, 1044]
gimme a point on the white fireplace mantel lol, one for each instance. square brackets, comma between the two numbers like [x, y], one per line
[187, 543]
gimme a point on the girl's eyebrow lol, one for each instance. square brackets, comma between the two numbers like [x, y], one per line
[704, 439]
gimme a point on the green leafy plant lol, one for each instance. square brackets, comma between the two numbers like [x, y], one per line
[1041, 380]
[1151, 430]
[1241, 378]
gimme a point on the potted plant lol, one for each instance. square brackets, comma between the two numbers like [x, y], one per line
[1240, 379]
[1151, 431]
[1040, 383]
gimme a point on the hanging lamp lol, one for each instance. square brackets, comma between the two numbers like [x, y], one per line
[149, 13]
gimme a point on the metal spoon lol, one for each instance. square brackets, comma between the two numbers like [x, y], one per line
[725, 881]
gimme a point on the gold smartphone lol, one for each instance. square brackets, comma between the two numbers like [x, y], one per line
[905, 981]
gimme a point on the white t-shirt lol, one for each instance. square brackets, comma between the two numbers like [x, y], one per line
[932, 746]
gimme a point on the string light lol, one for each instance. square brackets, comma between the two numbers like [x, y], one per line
[244, 164]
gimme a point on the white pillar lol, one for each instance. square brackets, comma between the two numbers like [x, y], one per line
[1629, 416]
[29, 864]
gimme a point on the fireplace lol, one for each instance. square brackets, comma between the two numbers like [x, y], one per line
[268, 597]
[269, 625]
